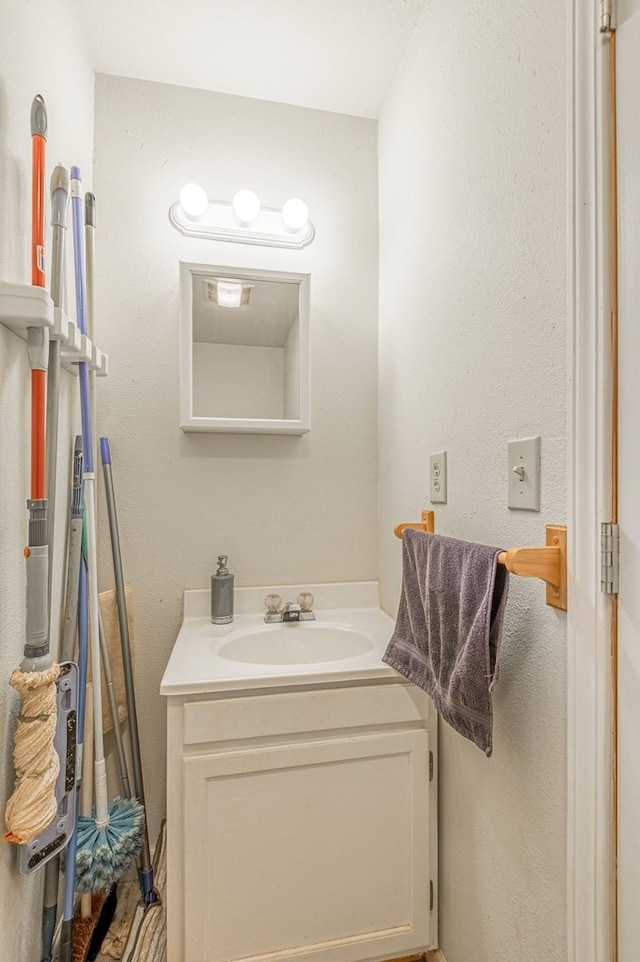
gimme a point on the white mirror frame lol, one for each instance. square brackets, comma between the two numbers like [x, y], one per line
[188, 422]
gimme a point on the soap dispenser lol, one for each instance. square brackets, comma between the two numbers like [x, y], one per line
[222, 594]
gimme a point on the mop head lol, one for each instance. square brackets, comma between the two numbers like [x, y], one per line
[105, 852]
[33, 805]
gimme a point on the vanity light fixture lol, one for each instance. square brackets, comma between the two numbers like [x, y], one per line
[243, 221]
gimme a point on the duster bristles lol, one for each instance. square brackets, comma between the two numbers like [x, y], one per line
[105, 852]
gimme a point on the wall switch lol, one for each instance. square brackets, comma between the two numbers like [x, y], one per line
[438, 477]
[524, 474]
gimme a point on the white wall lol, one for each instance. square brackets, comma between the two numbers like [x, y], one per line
[472, 353]
[41, 51]
[284, 509]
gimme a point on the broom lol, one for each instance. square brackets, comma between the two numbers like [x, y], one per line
[110, 839]
[95, 911]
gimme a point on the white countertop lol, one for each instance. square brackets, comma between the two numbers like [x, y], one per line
[196, 666]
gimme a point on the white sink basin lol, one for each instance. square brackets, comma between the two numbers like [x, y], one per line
[345, 643]
[295, 643]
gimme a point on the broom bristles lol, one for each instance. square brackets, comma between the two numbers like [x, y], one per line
[105, 852]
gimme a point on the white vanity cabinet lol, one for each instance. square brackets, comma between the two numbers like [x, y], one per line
[301, 822]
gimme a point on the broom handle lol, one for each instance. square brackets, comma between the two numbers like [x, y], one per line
[145, 869]
[89, 254]
[36, 650]
[84, 728]
[70, 624]
[122, 619]
[100, 772]
[74, 559]
[38, 153]
[89, 259]
[89, 218]
[115, 717]
[86, 789]
[38, 373]
[59, 199]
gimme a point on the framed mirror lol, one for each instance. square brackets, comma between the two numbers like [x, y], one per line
[244, 364]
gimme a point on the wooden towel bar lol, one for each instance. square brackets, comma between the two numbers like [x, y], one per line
[548, 563]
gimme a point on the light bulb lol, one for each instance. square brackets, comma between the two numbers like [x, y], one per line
[295, 213]
[246, 205]
[193, 200]
[229, 294]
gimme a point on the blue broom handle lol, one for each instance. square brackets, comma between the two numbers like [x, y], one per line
[101, 801]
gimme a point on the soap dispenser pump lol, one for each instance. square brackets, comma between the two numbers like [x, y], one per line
[222, 593]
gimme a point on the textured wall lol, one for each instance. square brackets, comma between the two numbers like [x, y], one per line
[472, 353]
[285, 509]
[41, 51]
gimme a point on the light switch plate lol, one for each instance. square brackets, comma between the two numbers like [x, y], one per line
[438, 478]
[524, 474]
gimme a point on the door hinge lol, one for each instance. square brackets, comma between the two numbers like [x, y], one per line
[607, 16]
[609, 558]
[430, 895]
[430, 766]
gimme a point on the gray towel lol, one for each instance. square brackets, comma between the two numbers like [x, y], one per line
[447, 633]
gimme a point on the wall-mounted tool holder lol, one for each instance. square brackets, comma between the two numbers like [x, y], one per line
[23, 306]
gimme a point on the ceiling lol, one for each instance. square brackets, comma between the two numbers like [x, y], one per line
[338, 55]
[264, 322]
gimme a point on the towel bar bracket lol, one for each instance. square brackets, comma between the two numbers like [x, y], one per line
[557, 594]
[426, 523]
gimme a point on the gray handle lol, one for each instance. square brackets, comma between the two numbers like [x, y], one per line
[73, 578]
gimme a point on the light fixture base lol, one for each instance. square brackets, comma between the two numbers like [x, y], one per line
[218, 222]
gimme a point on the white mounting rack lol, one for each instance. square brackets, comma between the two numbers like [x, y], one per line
[23, 306]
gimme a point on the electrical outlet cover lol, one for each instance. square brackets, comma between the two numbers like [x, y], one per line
[438, 478]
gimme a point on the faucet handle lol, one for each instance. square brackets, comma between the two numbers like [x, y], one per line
[305, 600]
[272, 604]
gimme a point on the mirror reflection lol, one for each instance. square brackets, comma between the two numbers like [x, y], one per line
[245, 364]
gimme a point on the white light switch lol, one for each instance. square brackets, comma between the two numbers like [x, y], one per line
[438, 478]
[524, 474]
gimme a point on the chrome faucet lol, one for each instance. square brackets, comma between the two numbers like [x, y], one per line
[291, 611]
[299, 610]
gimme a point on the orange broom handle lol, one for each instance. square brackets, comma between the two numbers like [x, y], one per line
[38, 151]
[38, 378]
[38, 456]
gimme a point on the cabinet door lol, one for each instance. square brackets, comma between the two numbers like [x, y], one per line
[318, 849]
